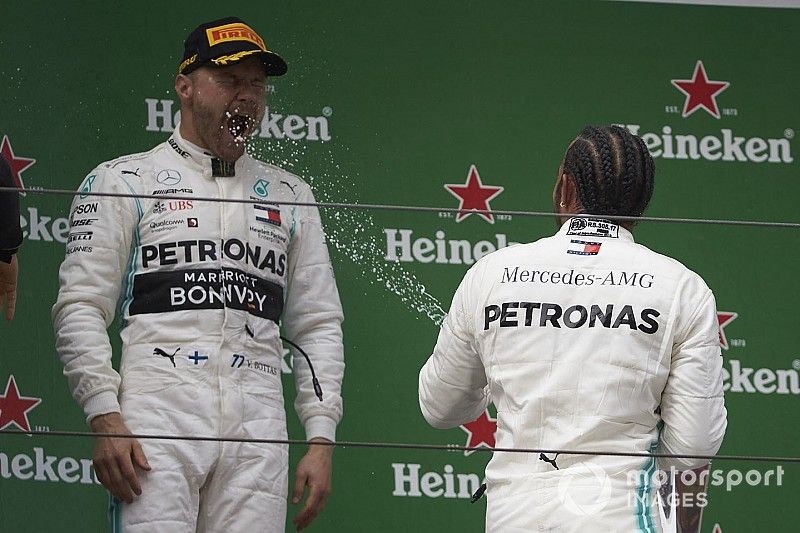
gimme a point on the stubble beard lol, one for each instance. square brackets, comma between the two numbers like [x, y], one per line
[225, 138]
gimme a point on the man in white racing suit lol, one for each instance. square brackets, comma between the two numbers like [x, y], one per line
[201, 287]
[584, 341]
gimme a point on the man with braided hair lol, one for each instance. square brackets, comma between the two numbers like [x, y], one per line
[584, 341]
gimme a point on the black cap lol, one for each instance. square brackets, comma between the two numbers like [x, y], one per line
[224, 42]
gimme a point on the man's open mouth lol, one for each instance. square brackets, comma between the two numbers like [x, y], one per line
[239, 126]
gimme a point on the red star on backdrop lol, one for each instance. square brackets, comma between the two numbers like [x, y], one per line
[700, 92]
[17, 164]
[473, 196]
[716, 529]
[724, 318]
[14, 408]
[480, 432]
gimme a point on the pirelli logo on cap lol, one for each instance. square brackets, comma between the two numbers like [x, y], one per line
[234, 32]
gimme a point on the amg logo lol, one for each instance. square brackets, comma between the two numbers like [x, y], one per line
[173, 191]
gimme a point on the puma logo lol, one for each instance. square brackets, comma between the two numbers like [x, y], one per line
[162, 353]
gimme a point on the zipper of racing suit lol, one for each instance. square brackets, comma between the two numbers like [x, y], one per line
[223, 237]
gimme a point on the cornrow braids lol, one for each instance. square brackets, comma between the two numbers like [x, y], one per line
[612, 170]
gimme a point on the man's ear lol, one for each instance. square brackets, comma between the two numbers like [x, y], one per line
[568, 194]
[184, 87]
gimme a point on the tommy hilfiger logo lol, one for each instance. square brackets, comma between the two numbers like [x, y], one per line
[583, 247]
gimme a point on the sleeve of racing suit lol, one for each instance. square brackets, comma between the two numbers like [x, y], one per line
[10, 231]
[91, 279]
[452, 383]
[312, 319]
[692, 404]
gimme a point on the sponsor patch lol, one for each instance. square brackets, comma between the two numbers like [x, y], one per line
[593, 227]
[270, 235]
[267, 215]
[207, 288]
[584, 247]
[83, 222]
[234, 32]
[86, 189]
[171, 141]
[83, 209]
[260, 188]
[169, 177]
[165, 225]
[167, 192]
[80, 236]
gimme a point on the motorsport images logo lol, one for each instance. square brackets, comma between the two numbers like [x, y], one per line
[703, 96]
[474, 197]
[15, 409]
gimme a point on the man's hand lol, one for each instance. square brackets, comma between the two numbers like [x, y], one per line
[314, 471]
[115, 457]
[8, 286]
[692, 499]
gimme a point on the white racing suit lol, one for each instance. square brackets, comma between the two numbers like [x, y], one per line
[583, 341]
[201, 287]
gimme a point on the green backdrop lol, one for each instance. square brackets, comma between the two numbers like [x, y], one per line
[386, 103]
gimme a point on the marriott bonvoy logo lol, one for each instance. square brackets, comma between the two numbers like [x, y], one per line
[703, 97]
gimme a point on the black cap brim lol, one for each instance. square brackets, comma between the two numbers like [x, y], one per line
[273, 64]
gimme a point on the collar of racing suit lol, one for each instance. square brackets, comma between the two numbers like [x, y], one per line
[209, 165]
[595, 227]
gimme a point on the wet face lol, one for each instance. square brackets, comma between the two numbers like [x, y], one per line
[227, 105]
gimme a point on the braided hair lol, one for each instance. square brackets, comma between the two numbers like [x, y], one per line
[612, 170]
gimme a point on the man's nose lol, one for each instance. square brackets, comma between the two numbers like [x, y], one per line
[250, 92]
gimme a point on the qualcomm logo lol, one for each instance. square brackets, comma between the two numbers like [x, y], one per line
[161, 116]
